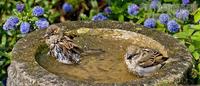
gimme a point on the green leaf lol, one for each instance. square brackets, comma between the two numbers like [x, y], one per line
[1, 63]
[191, 48]
[121, 18]
[140, 21]
[34, 19]
[196, 56]
[196, 36]
[83, 16]
[161, 29]
[194, 73]
[195, 27]
[94, 4]
[196, 44]
[171, 0]
[116, 10]
[197, 17]
[182, 35]
[3, 40]
[92, 13]
[198, 67]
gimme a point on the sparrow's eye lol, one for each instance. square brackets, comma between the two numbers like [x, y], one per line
[130, 56]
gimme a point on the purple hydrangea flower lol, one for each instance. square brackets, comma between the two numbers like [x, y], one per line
[42, 23]
[164, 18]
[154, 4]
[20, 7]
[182, 14]
[10, 23]
[185, 2]
[107, 10]
[150, 23]
[13, 19]
[67, 7]
[133, 9]
[24, 27]
[99, 17]
[38, 11]
[8, 26]
[173, 26]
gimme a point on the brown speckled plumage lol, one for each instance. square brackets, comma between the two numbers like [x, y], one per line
[62, 47]
[144, 61]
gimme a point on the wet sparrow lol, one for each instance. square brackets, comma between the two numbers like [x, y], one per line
[143, 61]
[62, 47]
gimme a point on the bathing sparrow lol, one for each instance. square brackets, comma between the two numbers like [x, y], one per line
[143, 61]
[62, 47]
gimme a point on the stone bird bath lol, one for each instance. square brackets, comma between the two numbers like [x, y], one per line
[31, 66]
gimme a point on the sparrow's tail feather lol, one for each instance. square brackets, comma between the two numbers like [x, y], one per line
[169, 60]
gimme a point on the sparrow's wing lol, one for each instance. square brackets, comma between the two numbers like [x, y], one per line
[160, 59]
[151, 58]
[148, 63]
[71, 51]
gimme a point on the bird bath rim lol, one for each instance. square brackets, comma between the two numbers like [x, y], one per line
[36, 75]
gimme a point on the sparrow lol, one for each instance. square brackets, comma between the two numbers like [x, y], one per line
[62, 47]
[144, 61]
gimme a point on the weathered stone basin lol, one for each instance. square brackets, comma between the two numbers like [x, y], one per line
[31, 66]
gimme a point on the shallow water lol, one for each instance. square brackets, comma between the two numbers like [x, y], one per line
[103, 67]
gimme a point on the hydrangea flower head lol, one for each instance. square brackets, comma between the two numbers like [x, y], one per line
[10, 23]
[99, 17]
[8, 26]
[185, 2]
[20, 7]
[42, 23]
[24, 27]
[154, 4]
[150, 23]
[133, 9]
[164, 18]
[182, 14]
[67, 7]
[173, 26]
[13, 19]
[107, 10]
[38, 11]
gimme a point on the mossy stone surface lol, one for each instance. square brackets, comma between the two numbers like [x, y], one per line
[25, 70]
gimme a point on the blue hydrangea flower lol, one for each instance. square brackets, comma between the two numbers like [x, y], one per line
[24, 27]
[133, 9]
[164, 18]
[99, 17]
[42, 23]
[150, 23]
[38, 11]
[185, 2]
[20, 7]
[4, 81]
[173, 26]
[107, 10]
[13, 19]
[154, 4]
[10, 23]
[67, 7]
[182, 14]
